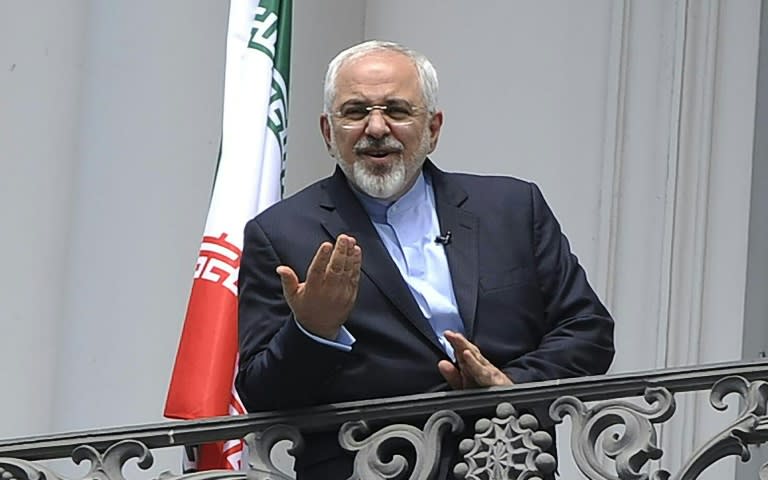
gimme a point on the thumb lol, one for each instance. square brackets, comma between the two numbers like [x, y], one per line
[451, 374]
[289, 280]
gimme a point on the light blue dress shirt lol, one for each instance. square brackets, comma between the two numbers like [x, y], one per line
[408, 228]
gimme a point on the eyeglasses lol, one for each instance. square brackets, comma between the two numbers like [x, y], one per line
[355, 115]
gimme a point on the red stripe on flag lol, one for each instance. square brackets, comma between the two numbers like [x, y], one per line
[233, 449]
[235, 406]
[202, 375]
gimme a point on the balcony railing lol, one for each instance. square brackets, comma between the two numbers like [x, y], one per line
[613, 437]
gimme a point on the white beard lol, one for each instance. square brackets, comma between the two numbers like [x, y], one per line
[380, 184]
[383, 185]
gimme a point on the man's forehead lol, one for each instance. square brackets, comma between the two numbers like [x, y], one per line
[383, 64]
[377, 73]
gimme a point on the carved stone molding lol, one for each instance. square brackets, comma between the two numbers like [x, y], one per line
[613, 149]
[687, 216]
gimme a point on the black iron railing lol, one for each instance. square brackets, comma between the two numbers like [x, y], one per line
[505, 441]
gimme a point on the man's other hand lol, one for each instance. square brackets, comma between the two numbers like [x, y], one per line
[322, 303]
[474, 370]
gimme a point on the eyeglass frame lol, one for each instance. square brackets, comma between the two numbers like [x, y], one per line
[414, 111]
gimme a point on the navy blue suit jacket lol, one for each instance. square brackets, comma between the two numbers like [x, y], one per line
[523, 298]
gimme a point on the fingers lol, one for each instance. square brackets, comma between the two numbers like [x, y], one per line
[459, 342]
[478, 368]
[342, 258]
[352, 266]
[484, 373]
[320, 261]
[323, 302]
[475, 368]
[289, 280]
[451, 374]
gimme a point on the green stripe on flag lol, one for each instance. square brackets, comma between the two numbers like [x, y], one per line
[271, 35]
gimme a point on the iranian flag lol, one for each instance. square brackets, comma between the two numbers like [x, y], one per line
[248, 180]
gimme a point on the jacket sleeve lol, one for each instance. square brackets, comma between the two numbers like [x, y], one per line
[280, 367]
[579, 338]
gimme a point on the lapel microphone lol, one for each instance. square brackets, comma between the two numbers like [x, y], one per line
[444, 238]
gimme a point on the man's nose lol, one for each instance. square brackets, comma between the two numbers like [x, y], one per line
[377, 126]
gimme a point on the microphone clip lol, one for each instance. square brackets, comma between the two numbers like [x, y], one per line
[444, 238]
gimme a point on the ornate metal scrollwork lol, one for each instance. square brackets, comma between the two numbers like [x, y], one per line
[209, 475]
[426, 443]
[14, 469]
[106, 466]
[628, 450]
[109, 465]
[259, 446]
[506, 447]
[750, 427]
[257, 464]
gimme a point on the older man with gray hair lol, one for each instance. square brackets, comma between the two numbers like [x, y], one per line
[392, 277]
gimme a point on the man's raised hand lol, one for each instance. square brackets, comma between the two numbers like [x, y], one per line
[321, 304]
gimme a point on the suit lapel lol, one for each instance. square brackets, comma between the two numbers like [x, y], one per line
[346, 215]
[462, 251]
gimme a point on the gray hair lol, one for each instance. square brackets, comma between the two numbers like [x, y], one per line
[427, 73]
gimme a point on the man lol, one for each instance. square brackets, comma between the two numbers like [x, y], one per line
[392, 277]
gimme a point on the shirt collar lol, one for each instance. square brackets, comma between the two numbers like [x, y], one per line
[377, 209]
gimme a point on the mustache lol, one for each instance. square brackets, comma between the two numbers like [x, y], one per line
[384, 143]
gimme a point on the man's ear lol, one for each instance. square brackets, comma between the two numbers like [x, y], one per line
[325, 129]
[435, 124]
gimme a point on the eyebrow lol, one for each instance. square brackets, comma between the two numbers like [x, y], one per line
[389, 101]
